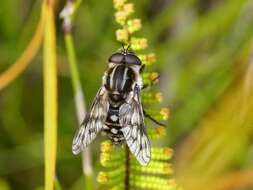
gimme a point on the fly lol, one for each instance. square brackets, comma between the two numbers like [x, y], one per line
[117, 108]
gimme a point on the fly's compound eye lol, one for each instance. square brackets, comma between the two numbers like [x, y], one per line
[129, 58]
[116, 58]
[132, 59]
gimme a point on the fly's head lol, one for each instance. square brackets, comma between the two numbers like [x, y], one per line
[125, 57]
[130, 60]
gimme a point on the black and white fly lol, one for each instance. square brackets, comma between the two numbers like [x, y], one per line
[117, 108]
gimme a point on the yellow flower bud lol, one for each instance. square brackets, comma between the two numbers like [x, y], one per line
[128, 8]
[151, 58]
[147, 59]
[118, 4]
[158, 97]
[168, 168]
[134, 25]
[106, 146]
[168, 152]
[102, 178]
[104, 157]
[120, 17]
[122, 35]
[139, 43]
[165, 112]
[153, 76]
[161, 131]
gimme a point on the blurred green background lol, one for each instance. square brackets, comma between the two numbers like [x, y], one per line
[204, 56]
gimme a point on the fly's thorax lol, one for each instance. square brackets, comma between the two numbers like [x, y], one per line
[119, 80]
[111, 64]
[138, 79]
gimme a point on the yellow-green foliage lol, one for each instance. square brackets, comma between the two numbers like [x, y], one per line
[222, 140]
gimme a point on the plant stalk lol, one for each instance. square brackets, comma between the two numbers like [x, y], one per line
[50, 95]
[67, 15]
[127, 176]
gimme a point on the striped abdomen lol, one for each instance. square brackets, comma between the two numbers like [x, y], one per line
[112, 126]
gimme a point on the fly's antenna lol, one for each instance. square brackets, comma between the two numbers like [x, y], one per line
[128, 47]
[125, 50]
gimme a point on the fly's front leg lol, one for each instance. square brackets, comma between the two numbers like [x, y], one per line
[146, 86]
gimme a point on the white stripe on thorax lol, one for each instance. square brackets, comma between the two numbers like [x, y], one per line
[124, 78]
[111, 77]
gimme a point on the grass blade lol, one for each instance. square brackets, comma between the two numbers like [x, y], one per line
[24, 60]
[50, 97]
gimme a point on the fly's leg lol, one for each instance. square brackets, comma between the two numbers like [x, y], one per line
[146, 86]
[152, 119]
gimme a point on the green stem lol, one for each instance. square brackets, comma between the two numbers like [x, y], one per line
[77, 87]
[127, 174]
[77, 4]
[75, 78]
[80, 105]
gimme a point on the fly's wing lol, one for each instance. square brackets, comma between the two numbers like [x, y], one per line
[132, 119]
[92, 123]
